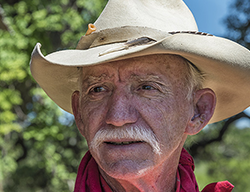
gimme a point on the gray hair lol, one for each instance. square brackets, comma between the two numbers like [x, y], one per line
[130, 132]
[194, 79]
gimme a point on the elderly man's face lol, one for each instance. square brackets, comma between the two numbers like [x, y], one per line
[124, 98]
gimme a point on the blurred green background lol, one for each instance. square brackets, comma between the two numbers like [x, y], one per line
[40, 146]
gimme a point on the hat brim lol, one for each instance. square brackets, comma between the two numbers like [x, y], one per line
[225, 65]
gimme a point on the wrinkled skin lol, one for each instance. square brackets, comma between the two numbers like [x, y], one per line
[150, 92]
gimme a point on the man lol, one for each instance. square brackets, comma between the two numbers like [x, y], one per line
[141, 80]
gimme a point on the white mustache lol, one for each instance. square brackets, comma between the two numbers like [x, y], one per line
[134, 133]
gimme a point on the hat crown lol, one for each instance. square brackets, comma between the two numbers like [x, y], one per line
[165, 15]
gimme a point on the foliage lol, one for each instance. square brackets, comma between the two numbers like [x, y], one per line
[225, 160]
[238, 22]
[222, 150]
[40, 146]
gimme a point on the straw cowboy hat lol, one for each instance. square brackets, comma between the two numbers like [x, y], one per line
[135, 28]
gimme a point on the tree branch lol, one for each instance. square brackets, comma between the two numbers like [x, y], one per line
[204, 142]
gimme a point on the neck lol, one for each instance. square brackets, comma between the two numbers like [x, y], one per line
[158, 179]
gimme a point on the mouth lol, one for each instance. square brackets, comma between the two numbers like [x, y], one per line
[124, 142]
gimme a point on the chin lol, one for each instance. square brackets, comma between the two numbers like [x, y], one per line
[127, 169]
[126, 162]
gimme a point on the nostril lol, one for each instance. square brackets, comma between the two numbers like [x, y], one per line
[118, 116]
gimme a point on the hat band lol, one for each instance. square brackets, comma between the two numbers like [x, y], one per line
[126, 34]
[118, 35]
[129, 44]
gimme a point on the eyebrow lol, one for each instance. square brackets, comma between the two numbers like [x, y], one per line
[90, 80]
[93, 79]
[142, 78]
[154, 78]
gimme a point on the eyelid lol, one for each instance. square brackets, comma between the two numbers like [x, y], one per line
[155, 85]
[106, 86]
[92, 86]
[92, 90]
[161, 87]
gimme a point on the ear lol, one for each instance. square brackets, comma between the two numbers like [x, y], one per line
[204, 105]
[75, 103]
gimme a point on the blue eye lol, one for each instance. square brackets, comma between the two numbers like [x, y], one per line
[147, 87]
[98, 89]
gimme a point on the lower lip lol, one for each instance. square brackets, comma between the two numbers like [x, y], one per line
[115, 153]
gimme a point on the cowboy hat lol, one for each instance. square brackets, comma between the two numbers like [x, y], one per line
[135, 28]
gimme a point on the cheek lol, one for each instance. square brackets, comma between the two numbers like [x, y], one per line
[155, 111]
[93, 117]
[165, 117]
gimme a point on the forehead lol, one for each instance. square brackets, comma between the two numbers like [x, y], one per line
[164, 65]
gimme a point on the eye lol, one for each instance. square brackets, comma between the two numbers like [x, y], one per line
[149, 89]
[97, 89]
[98, 92]
[146, 87]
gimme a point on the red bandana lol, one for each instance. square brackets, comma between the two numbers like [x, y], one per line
[90, 180]
[186, 181]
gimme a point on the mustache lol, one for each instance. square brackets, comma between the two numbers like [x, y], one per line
[133, 132]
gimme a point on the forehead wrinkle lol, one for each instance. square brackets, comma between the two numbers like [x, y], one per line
[106, 71]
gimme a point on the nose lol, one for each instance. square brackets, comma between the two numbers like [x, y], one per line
[121, 110]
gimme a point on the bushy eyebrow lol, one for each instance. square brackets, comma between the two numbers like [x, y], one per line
[91, 79]
[94, 79]
[142, 78]
[134, 77]
[165, 87]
